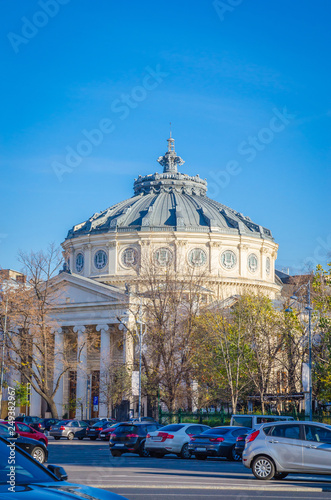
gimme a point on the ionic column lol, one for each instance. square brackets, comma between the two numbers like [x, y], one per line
[104, 369]
[58, 369]
[81, 370]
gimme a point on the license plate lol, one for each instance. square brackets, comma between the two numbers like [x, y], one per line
[102, 435]
[200, 449]
[119, 444]
[156, 438]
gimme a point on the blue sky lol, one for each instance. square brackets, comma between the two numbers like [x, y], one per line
[246, 87]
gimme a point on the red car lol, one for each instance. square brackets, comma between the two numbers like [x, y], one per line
[27, 431]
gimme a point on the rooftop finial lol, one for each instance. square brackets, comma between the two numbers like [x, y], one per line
[170, 160]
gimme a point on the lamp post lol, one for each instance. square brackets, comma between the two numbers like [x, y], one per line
[308, 308]
[140, 322]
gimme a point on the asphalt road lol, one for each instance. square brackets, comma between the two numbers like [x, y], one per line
[89, 462]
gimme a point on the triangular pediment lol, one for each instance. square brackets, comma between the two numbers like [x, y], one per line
[72, 289]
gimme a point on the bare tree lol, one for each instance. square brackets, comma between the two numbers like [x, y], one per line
[31, 339]
[170, 305]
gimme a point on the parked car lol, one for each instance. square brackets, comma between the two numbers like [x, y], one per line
[216, 442]
[131, 438]
[173, 438]
[251, 421]
[274, 451]
[33, 480]
[37, 450]
[34, 422]
[240, 443]
[48, 422]
[27, 431]
[69, 429]
[106, 433]
[93, 431]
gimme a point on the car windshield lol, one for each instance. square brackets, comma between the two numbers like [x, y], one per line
[217, 430]
[25, 470]
[4, 431]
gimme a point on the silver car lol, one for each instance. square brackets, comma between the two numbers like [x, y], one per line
[275, 450]
[69, 429]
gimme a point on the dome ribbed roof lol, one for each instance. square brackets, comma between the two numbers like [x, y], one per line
[170, 201]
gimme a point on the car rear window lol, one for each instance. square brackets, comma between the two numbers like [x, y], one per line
[217, 430]
[63, 422]
[242, 421]
[124, 429]
[172, 428]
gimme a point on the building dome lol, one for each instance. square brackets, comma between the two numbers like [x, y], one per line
[170, 201]
[171, 219]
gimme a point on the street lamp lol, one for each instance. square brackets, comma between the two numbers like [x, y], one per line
[140, 322]
[308, 308]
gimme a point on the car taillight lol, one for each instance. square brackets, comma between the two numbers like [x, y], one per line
[129, 436]
[98, 429]
[193, 438]
[87, 429]
[50, 428]
[62, 428]
[39, 425]
[240, 438]
[252, 436]
[216, 440]
[112, 436]
[148, 436]
[165, 435]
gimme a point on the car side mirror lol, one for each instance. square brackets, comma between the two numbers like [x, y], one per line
[59, 472]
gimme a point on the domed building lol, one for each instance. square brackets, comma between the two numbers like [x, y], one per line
[171, 220]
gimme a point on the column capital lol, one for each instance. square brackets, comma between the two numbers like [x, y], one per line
[57, 330]
[102, 328]
[79, 329]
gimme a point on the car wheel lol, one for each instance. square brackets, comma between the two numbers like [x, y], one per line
[234, 456]
[142, 450]
[263, 468]
[71, 436]
[93, 438]
[185, 453]
[56, 437]
[38, 454]
[116, 453]
[280, 475]
[200, 456]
